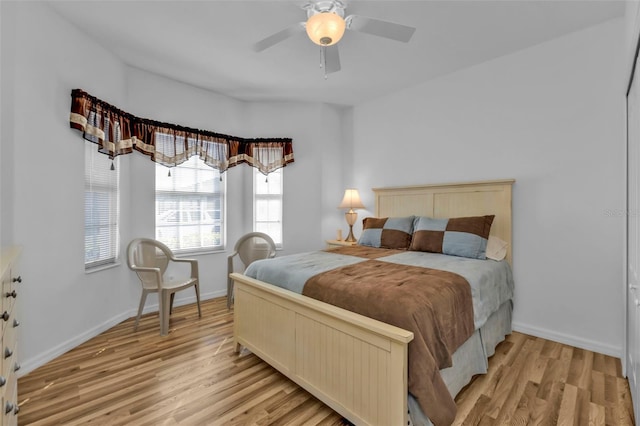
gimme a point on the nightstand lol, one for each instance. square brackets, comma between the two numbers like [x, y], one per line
[339, 243]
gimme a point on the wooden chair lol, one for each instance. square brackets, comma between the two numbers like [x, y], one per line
[250, 247]
[149, 259]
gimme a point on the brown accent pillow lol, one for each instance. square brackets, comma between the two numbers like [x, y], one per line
[387, 232]
[430, 241]
[462, 236]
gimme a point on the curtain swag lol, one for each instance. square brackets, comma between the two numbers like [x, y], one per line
[117, 133]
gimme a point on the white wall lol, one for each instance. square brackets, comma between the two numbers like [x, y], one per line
[7, 75]
[632, 29]
[552, 118]
[312, 128]
[313, 183]
[549, 117]
[162, 99]
[59, 304]
[43, 175]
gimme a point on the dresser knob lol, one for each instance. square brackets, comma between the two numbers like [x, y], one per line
[16, 410]
[18, 279]
[12, 294]
[5, 316]
[15, 323]
[3, 381]
[8, 407]
[7, 352]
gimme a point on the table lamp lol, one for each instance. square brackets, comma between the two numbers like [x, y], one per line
[351, 201]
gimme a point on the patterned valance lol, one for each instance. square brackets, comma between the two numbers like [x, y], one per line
[117, 132]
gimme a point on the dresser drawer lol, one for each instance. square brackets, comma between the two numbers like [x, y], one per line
[9, 295]
[10, 406]
[9, 288]
[6, 304]
[9, 355]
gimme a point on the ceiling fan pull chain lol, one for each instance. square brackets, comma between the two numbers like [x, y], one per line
[323, 56]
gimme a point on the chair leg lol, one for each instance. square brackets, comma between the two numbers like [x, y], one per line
[229, 280]
[165, 303]
[197, 287]
[143, 299]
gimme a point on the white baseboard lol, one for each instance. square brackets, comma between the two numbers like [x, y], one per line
[590, 345]
[28, 365]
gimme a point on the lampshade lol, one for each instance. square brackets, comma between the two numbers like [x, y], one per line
[325, 28]
[351, 200]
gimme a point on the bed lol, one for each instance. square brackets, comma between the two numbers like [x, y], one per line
[355, 364]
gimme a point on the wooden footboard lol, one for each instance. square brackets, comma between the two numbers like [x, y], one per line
[354, 364]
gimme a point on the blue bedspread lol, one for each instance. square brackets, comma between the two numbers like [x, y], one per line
[491, 282]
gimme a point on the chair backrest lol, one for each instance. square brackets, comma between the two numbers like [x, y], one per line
[149, 253]
[254, 246]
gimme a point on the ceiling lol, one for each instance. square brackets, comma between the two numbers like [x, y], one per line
[209, 43]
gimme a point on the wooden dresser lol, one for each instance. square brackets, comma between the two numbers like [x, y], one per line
[11, 280]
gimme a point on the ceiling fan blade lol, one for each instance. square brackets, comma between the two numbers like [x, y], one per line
[278, 37]
[332, 59]
[379, 28]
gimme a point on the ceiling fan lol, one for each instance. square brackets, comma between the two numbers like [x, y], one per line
[325, 26]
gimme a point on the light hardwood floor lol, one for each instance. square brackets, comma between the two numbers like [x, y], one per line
[192, 377]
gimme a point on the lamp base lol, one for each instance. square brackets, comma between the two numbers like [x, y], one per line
[351, 217]
[350, 238]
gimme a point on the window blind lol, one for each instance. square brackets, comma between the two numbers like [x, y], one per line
[190, 206]
[101, 208]
[267, 204]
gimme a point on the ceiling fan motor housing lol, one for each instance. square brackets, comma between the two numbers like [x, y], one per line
[323, 6]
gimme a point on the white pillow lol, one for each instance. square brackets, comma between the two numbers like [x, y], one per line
[496, 248]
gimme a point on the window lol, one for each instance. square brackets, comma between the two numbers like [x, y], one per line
[190, 206]
[267, 204]
[101, 197]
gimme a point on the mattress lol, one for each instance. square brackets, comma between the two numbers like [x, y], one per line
[491, 281]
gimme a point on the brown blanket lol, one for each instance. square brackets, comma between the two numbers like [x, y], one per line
[435, 305]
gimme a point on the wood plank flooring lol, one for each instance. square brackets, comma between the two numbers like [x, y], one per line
[192, 377]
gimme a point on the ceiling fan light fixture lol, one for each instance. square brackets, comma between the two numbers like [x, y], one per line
[325, 28]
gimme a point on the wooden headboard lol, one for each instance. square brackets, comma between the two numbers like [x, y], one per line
[452, 200]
